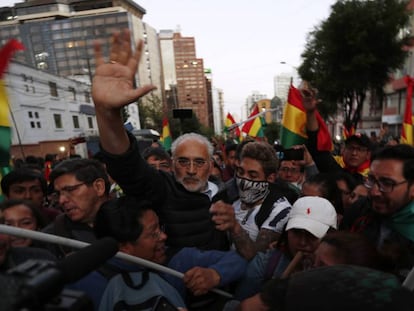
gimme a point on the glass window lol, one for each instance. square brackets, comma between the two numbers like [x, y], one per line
[36, 114]
[58, 120]
[73, 92]
[30, 114]
[32, 124]
[53, 89]
[38, 124]
[87, 97]
[90, 122]
[75, 120]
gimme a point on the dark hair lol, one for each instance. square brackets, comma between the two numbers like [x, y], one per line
[21, 175]
[401, 152]
[121, 219]
[158, 152]
[354, 249]
[350, 181]
[264, 154]
[229, 148]
[326, 183]
[85, 170]
[40, 220]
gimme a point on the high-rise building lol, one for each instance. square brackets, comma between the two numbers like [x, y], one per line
[59, 34]
[184, 77]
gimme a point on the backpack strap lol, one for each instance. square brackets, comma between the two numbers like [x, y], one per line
[128, 281]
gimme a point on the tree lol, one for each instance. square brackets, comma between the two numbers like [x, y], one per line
[150, 112]
[354, 51]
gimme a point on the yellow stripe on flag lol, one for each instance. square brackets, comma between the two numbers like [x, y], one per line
[294, 120]
[254, 130]
[4, 106]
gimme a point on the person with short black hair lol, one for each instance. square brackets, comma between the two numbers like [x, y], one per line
[28, 184]
[80, 187]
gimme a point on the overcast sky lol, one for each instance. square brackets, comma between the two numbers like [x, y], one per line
[241, 41]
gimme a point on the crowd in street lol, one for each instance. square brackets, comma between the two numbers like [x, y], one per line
[276, 233]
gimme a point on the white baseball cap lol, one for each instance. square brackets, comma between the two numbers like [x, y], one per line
[313, 214]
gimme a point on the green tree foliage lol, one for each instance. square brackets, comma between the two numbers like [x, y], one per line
[354, 51]
[150, 112]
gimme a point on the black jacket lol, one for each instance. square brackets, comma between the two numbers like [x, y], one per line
[185, 215]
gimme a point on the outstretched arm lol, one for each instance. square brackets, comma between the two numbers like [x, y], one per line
[113, 88]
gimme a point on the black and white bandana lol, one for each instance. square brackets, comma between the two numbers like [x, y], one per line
[252, 191]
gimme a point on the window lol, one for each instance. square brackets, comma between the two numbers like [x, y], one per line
[75, 120]
[90, 122]
[32, 124]
[53, 89]
[73, 92]
[30, 114]
[87, 97]
[38, 125]
[58, 120]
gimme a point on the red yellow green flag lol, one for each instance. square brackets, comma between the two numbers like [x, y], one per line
[293, 131]
[166, 138]
[407, 128]
[6, 54]
[254, 127]
[228, 126]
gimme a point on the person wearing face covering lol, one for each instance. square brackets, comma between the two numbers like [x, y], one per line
[258, 214]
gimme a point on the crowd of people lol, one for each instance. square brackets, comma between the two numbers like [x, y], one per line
[273, 232]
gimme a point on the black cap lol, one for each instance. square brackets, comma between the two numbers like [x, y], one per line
[360, 139]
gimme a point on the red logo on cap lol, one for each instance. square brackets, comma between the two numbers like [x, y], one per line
[308, 211]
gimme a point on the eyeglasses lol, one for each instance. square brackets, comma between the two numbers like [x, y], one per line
[384, 185]
[186, 163]
[356, 148]
[292, 170]
[67, 190]
[156, 235]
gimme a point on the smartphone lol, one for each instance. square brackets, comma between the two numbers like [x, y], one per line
[293, 154]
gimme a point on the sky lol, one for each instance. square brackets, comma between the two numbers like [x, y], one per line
[241, 41]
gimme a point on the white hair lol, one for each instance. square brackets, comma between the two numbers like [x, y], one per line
[192, 136]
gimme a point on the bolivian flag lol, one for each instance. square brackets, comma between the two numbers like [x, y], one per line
[407, 128]
[6, 54]
[254, 127]
[228, 123]
[166, 138]
[293, 131]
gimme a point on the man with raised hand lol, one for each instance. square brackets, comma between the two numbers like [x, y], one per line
[183, 197]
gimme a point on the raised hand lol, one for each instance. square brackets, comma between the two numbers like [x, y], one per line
[113, 83]
[309, 97]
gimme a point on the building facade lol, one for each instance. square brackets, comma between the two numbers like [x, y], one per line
[59, 35]
[49, 114]
[184, 77]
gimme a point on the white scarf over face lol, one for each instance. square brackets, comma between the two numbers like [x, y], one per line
[252, 191]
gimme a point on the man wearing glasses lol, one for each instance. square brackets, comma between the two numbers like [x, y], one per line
[390, 220]
[80, 188]
[355, 154]
[183, 197]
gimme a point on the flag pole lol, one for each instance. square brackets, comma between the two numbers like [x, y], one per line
[233, 126]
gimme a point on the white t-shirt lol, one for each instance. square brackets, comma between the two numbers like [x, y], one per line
[276, 220]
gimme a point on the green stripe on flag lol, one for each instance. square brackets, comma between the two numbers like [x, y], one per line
[289, 138]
